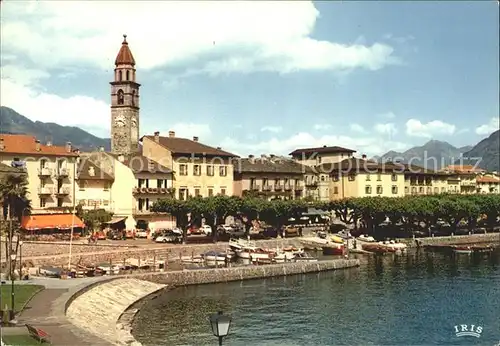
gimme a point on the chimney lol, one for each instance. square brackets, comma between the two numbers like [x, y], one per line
[37, 145]
[171, 134]
[195, 138]
[2, 145]
[363, 156]
[151, 165]
[68, 147]
[49, 143]
[219, 148]
[157, 136]
[101, 148]
[250, 156]
[77, 151]
[272, 156]
[263, 156]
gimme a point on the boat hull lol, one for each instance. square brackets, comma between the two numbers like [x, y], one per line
[333, 250]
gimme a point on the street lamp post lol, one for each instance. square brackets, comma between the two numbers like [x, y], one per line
[12, 294]
[220, 324]
[20, 259]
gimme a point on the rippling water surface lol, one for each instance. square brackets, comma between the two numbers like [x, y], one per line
[407, 300]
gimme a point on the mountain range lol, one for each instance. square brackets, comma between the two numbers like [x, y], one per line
[14, 123]
[433, 154]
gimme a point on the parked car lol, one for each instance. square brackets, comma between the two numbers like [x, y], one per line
[141, 233]
[170, 236]
[206, 229]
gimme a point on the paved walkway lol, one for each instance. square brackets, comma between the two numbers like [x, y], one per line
[46, 310]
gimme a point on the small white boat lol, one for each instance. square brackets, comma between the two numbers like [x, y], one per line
[398, 247]
[304, 257]
[253, 253]
[191, 259]
[465, 250]
[366, 238]
[214, 256]
[108, 270]
[238, 244]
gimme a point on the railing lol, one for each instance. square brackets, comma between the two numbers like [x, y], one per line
[45, 190]
[151, 190]
[267, 188]
[288, 187]
[278, 187]
[62, 172]
[255, 187]
[63, 191]
[43, 171]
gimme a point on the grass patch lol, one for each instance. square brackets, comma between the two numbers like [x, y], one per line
[21, 340]
[22, 293]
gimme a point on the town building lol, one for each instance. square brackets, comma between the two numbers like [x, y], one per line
[198, 169]
[488, 183]
[424, 181]
[355, 177]
[50, 169]
[465, 175]
[317, 182]
[269, 176]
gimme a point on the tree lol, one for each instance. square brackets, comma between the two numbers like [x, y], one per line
[178, 209]
[94, 218]
[15, 204]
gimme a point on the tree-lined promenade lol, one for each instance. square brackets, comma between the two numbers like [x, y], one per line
[410, 212]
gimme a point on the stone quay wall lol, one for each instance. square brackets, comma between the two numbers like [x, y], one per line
[94, 254]
[217, 275]
[454, 240]
[98, 308]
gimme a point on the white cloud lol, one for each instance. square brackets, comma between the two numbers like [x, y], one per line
[273, 129]
[490, 127]
[322, 127]
[388, 129]
[431, 129]
[226, 37]
[357, 128]
[370, 145]
[388, 115]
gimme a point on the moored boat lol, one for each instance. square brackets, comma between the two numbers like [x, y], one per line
[377, 248]
[466, 250]
[333, 249]
[253, 253]
[304, 257]
[214, 256]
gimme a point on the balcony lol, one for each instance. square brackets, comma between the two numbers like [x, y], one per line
[255, 187]
[152, 190]
[44, 172]
[62, 172]
[278, 187]
[63, 191]
[267, 188]
[467, 183]
[45, 191]
[288, 187]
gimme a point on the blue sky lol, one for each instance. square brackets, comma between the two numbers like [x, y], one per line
[264, 77]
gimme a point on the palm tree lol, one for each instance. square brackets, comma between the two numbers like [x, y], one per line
[13, 196]
[15, 204]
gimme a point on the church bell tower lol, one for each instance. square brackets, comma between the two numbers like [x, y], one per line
[124, 104]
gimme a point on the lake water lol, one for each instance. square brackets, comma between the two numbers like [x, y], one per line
[415, 299]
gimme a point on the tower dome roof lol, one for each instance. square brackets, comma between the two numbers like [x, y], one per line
[125, 56]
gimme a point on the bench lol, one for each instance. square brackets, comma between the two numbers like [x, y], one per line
[38, 334]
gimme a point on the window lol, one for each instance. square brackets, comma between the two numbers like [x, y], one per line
[351, 177]
[159, 183]
[407, 189]
[210, 170]
[43, 163]
[379, 189]
[319, 160]
[322, 178]
[222, 171]
[196, 170]
[297, 182]
[127, 75]
[210, 192]
[133, 97]
[336, 177]
[368, 189]
[436, 190]
[43, 201]
[264, 182]
[394, 189]
[394, 177]
[443, 189]
[106, 185]
[379, 177]
[197, 192]
[82, 184]
[121, 97]
[368, 177]
[413, 190]
[140, 204]
[336, 190]
[276, 181]
[183, 169]
[223, 191]
[60, 202]
[182, 194]
[120, 76]
[421, 190]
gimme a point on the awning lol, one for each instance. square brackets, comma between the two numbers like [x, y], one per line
[115, 220]
[51, 221]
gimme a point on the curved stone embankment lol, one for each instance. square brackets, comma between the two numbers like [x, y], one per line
[98, 309]
[454, 240]
[215, 275]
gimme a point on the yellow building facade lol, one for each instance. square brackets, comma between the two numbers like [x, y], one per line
[198, 169]
[50, 170]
